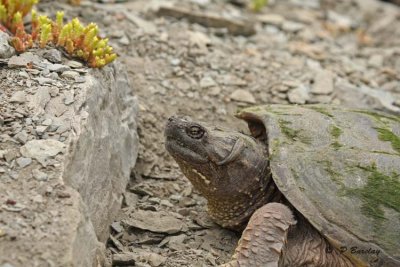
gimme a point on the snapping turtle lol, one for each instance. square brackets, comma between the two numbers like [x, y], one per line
[316, 185]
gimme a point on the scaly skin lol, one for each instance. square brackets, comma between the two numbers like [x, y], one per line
[231, 170]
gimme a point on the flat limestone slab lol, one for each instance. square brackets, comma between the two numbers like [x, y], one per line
[67, 147]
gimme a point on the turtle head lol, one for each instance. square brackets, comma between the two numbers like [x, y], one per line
[228, 168]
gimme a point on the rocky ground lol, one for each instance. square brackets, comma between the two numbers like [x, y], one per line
[316, 51]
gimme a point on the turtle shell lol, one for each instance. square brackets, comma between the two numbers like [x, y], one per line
[340, 168]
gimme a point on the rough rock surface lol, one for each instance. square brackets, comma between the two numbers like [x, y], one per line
[67, 148]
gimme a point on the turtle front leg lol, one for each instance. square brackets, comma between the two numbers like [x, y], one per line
[264, 238]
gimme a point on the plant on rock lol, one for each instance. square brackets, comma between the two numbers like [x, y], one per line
[78, 40]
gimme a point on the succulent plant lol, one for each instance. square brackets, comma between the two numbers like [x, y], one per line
[76, 39]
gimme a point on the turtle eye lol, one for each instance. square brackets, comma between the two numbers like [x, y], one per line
[195, 132]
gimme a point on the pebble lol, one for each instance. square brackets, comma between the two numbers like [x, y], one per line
[74, 64]
[23, 162]
[42, 149]
[68, 97]
[116, 226]
[10, 155]
[39, 175]
[214, 91]
[175, 62]
[159, 222]
[23, 74]
[23, 60]
[340, 20]
[53, 55]
[43, 80]
[47, 122]
[242, 96]
[18, 97]
[376, 61]
[292, 27]
[166, 203]
[299, 95]
[58, 68]
[273, 19]
[40, 99]
[40, 130]
[124, 40]
[323, 82]
[21, 137]
[70, 74]
[207, 82]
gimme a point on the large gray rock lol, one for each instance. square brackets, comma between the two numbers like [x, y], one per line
[56, 210]
[104, 146]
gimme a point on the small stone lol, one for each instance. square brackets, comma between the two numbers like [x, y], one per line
[10, 155]
[159, 222]
[323, 82]
[6, 50]
[375, 61]
[68, 97]
[18, 97]
[130, 199]
[52, 55]
[80, 79]
[207, 81]
[116, 226]
[2, 153]
[214, 91]
[176, 242]
[40, 99]
[199, 40]
[175, 62]
[299, 95]
[21, 137]
[74, 64]
[23, 162]
[153, 259]
[40, 176]
[340, 20]
[291, 84]
[70, 74]
[291, 26]
[273, 19]
[124, 40]
[243, 96]
[23, 60]
[40, 130]
[23, 74]
[44, 80]
[37, 199]
[166, 203]
[58, 68]
[47, 122]
[42, 149]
